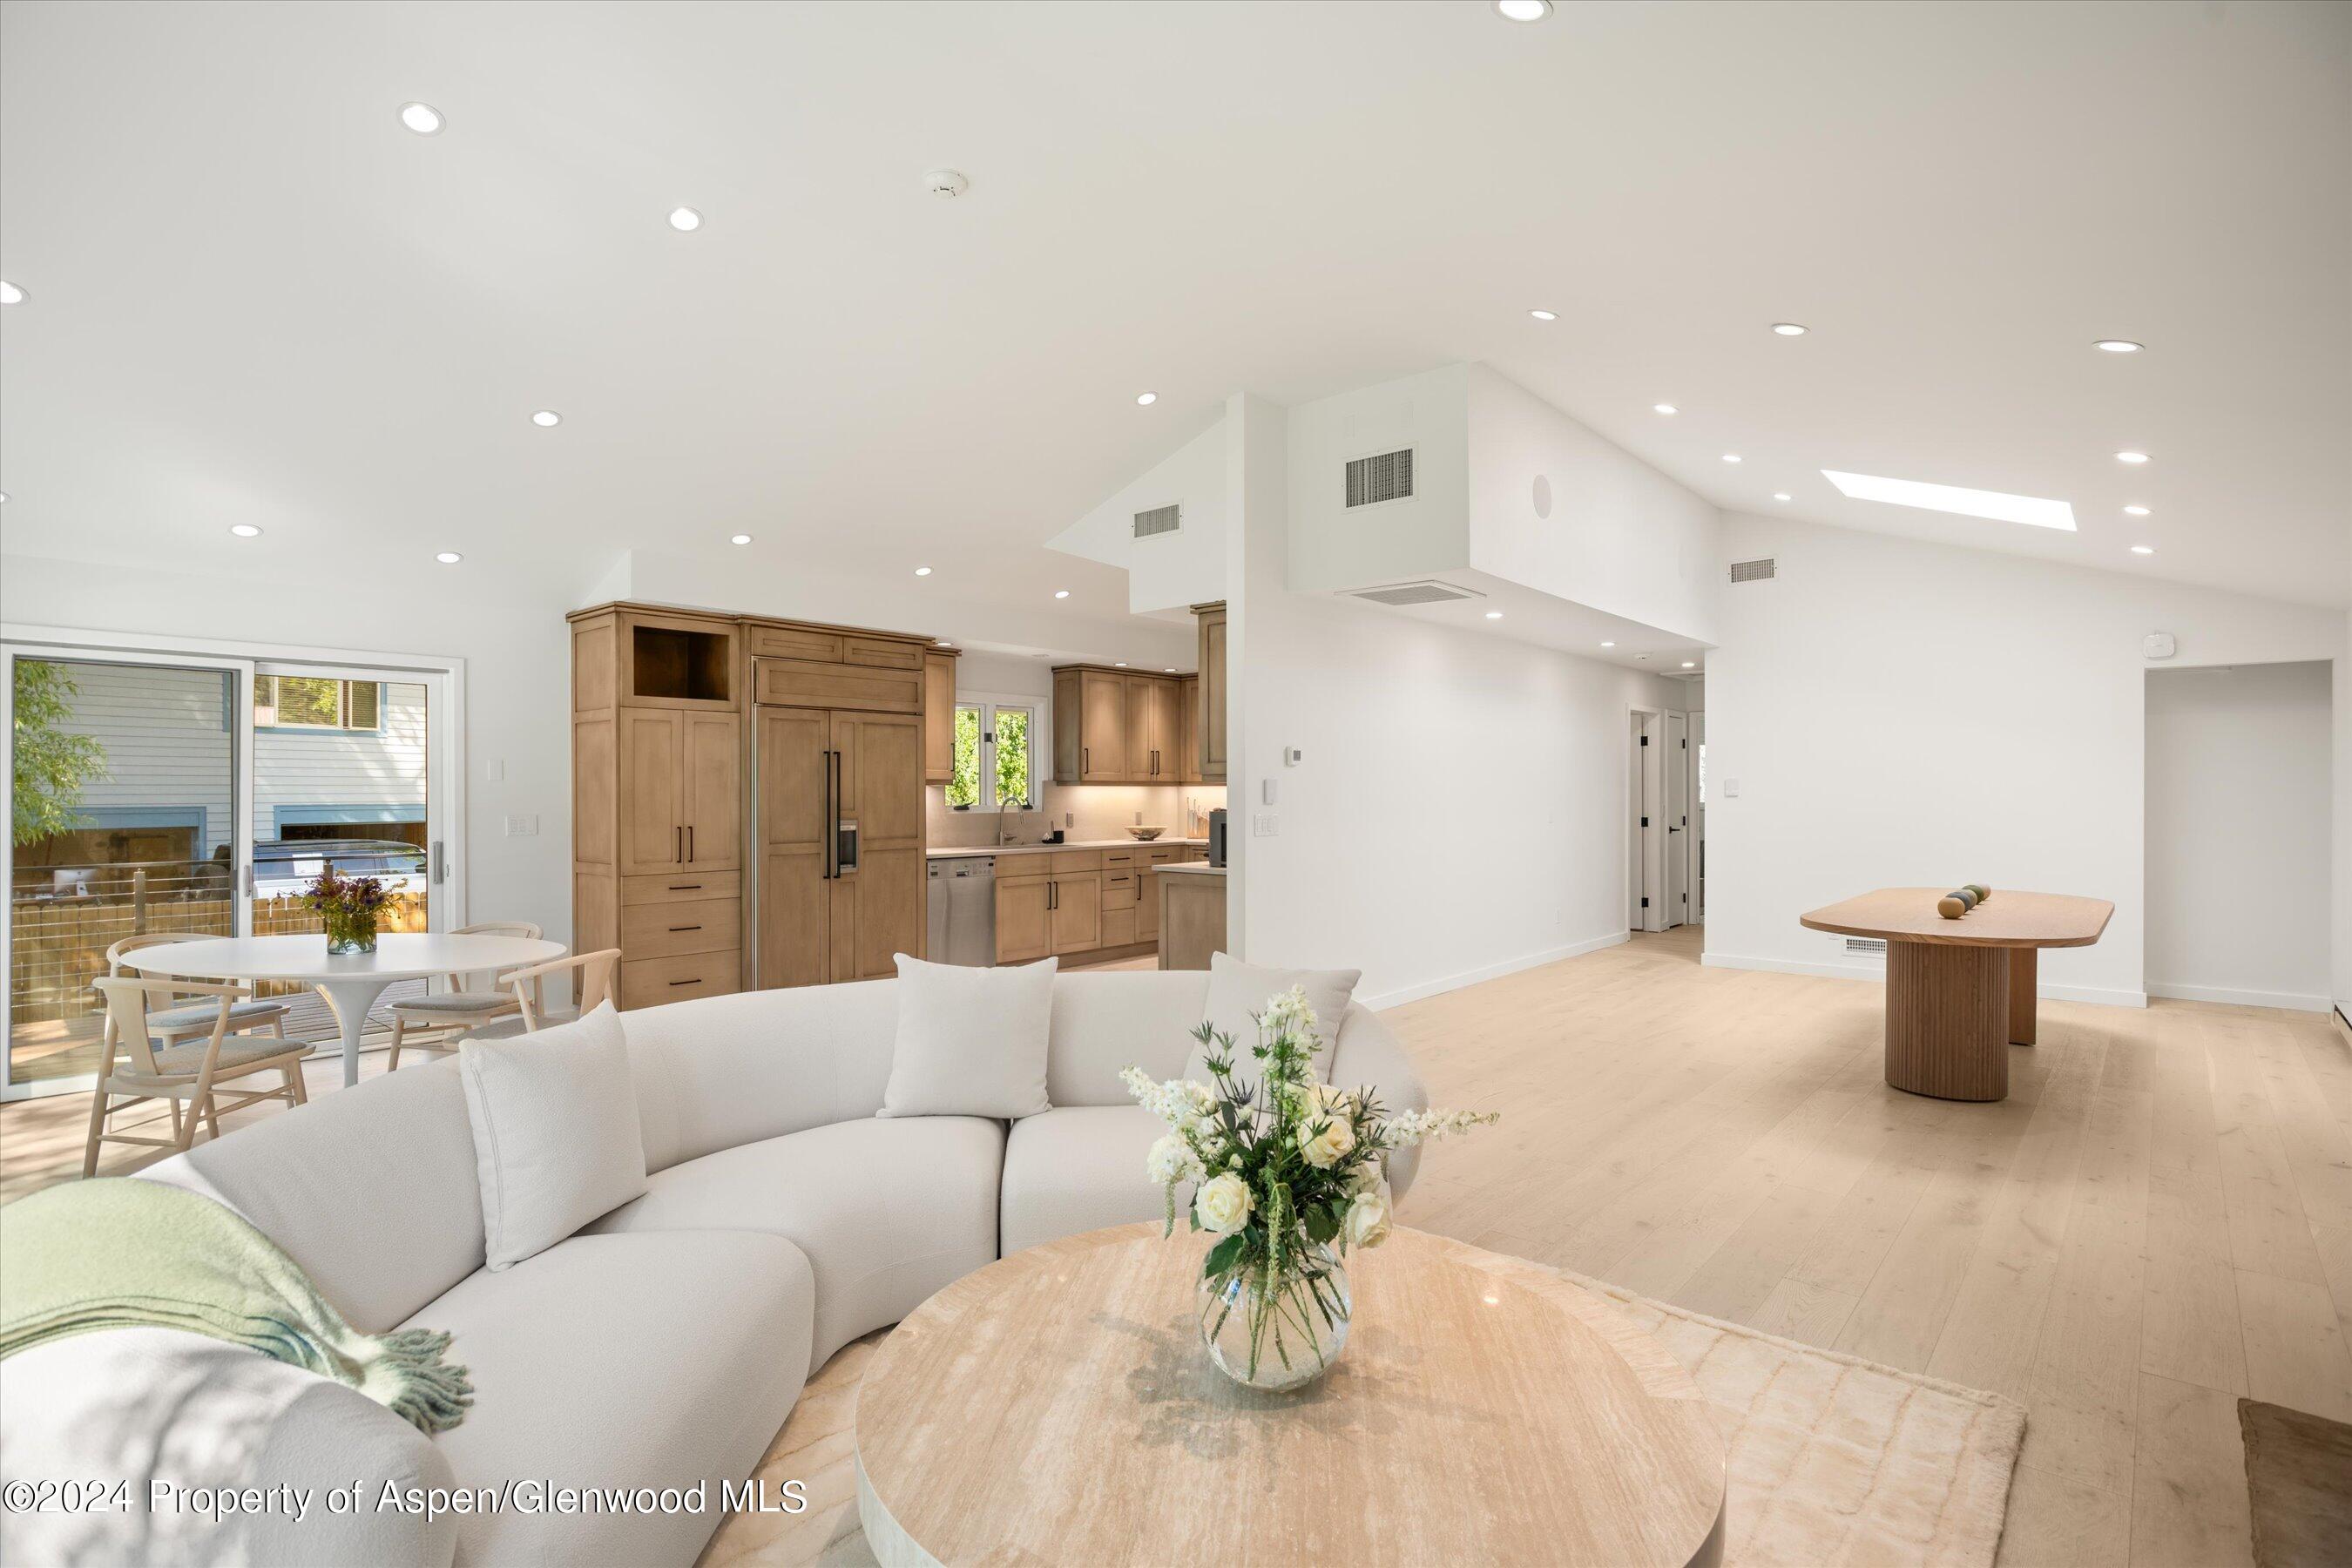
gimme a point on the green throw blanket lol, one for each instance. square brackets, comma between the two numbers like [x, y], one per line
[118, 1253]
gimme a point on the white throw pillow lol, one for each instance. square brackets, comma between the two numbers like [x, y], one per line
[555, 1131]
[1238, 990]
[971, 1042]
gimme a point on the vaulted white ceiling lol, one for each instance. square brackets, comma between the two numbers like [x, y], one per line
[255, 297]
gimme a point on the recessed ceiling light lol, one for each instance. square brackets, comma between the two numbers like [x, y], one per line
[1609, 644]
[1494, 614]
[1779, 495]
[421, 118]
[1545, 315]
[10, 294]
[2135, 512]
[3, 498]
[922, 571]
[2131, 456]
[1789, 328]
[1171, 670]
[1120, 665]
[1731, 457]
[738, 539]
[1523, 10]
[1991, 504]
[448, 558]
[1690, 664]
[686, 220]
[1146, 399]
[546, 418]
[1663, 408]
[2143, 550]
[1061, 593]
[943, 643]
[2118, 345]
[244, 530]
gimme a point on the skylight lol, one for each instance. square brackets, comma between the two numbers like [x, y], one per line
[1991, 504]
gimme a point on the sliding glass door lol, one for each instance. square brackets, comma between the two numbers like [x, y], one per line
[155, 791]
[128, 787]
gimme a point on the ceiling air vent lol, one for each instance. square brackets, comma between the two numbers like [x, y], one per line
[1158, 520]
[1388, 475]
[1751, 571]
[1867, 946]
[1413, 594]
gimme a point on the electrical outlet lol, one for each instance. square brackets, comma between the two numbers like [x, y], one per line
[1266, 825]
[520, 825]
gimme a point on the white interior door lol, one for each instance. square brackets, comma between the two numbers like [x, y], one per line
[1647, 823]
[1674, 763]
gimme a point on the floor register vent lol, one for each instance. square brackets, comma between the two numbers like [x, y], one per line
[1158, 520]
[1413, 594]
[1751, 571]
[1386, 476]
[1867, 946]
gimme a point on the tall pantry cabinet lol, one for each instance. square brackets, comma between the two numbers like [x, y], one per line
[747, 800]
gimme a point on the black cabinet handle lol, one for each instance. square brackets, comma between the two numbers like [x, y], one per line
[695, 981]
[684, 928]
[686, 887]
[690, 842]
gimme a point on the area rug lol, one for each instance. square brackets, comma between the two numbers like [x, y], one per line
[2299, 1479]
[1832, 1459]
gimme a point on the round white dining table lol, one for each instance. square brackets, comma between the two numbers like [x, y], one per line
[350, 981]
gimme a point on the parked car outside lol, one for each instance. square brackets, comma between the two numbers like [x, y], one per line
[284, 866]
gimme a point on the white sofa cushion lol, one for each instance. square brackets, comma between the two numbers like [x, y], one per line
[1120, 1018]
[622, 1362]
[555, 1131]
[887, 1211]
[1078, 1168]
[142, 1406]
[371, 1189]
[971, 1042]
[1238, 990]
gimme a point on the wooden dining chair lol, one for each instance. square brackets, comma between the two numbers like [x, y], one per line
[458, 1011]
[175, 1026]
[593, 987]
[188, 1074]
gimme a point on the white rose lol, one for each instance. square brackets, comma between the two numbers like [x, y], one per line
[1223, 1204]
[1334, 1142]
[1368, 1217]
[1171, 1160]
[1367, 1177]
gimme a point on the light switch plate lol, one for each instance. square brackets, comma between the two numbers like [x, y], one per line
[520, 825]
[497, 769]
[1267, 791]
[1266, 825]
[1731, 789]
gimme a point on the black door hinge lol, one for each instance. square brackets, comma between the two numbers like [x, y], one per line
[1645, 822]
[1645, 903]
[1646, 740]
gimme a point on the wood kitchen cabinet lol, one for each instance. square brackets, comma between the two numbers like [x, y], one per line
[939, 715]
[1188, 729]
[1114, 726]
[682, 802]
[1024, 924]
[1209, 620]
[1076, 911]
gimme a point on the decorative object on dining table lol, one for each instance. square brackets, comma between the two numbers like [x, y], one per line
[349, 905]
[1288, 1174]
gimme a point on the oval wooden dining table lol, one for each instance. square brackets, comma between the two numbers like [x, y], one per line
[350, 981]
[1961, 992]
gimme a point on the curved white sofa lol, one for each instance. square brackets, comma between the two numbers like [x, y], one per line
[661, 1346]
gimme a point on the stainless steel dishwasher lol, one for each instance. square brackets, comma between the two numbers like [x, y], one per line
[972, 910]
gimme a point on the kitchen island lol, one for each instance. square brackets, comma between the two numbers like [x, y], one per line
[1192, 914]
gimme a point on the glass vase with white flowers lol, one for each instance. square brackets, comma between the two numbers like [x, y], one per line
[1287, 1173]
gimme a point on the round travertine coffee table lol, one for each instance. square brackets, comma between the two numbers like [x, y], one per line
[1058, 1406]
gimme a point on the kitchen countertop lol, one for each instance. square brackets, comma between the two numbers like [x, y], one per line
[968, 851]
[1192, 868]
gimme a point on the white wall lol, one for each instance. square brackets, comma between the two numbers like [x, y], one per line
[518, 664]
[1332, 545]
[1895, 712]
[1556, 507]
[2238, 806]
[1167, 570]
[1461, 808]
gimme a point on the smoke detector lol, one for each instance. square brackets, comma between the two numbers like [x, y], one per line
[945, 183]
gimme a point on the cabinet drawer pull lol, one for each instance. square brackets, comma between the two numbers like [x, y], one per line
[695, 981]
[686, 887]
[684, 928]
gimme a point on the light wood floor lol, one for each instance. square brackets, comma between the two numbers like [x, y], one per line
[2158, 1220]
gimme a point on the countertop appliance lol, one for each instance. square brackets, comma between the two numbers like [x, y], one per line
[962, 911]
[1216, 836]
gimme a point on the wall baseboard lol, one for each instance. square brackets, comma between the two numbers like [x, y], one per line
[2232, 996]
[2099, 995]
[1402, 995]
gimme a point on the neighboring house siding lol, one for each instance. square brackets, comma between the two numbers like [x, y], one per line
[169, 750]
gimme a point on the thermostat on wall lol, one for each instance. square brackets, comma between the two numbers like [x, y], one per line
[2157, 645]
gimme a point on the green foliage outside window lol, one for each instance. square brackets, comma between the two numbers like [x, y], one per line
[50, 766]
[1013, 759]
[963, 779]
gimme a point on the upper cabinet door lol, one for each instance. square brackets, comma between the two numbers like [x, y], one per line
[711, 785]
[1167, 731]
[939, 717]
[652, 823]
[1102, 727]
[1212, 694]
[1142, 727]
